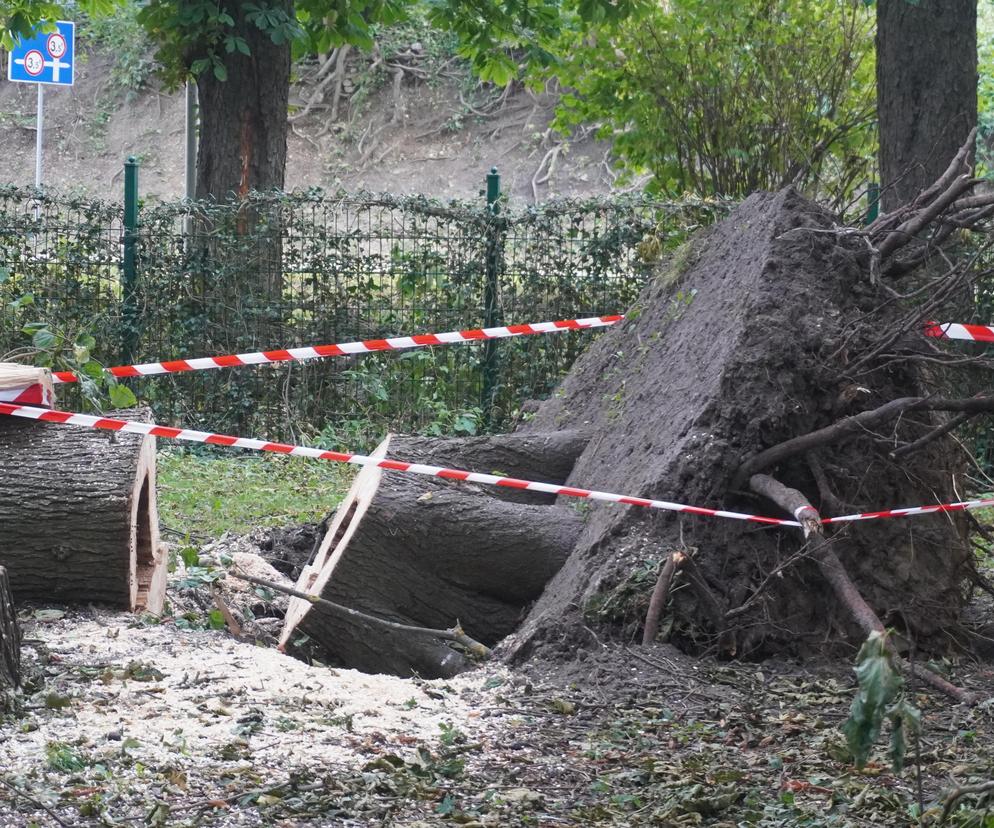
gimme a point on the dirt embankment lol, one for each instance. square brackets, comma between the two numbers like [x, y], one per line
[426, 140]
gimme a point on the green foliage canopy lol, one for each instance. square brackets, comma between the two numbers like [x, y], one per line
[194, 36]
[726, 97]
[20, 18]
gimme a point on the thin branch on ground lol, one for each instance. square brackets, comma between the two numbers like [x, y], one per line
[454, 634]
[957, 793]
[18, 792]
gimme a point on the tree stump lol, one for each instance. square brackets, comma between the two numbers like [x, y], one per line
[430, 553]
[79, 517]
[10, 640]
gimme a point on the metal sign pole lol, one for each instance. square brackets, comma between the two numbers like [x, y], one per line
[38, 136]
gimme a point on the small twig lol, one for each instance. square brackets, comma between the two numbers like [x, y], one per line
[710, 604]
[828, 497]
[659, 595]
[455, 634]
[18, 792]
[934, 434]
[959, 792]
[233, 626]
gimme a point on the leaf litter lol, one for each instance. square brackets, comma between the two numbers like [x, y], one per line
[126, 722]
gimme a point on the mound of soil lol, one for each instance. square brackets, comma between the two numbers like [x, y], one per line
[742, 342]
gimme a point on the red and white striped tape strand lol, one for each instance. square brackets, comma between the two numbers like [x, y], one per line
[962, 506]
[110, 424]
[954, 330]
[36, 394]
[396, 343]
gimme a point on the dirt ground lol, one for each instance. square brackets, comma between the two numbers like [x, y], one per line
[137, 721]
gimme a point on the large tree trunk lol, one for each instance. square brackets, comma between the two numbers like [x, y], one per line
[243, 119]
[430, 553]
[10, 641]
[242, 149]
[926, 90]
[750, 339]
[78, 515]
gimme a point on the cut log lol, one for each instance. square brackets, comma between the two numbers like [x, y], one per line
[546, 457]
[10, 641]
[79, 517]
[429, 553]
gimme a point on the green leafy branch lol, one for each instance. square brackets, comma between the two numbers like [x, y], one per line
[880, 697]
[59, 351]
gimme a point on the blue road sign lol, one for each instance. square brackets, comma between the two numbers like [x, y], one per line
[45, 58]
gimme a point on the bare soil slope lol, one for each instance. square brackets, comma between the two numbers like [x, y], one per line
[430, 143]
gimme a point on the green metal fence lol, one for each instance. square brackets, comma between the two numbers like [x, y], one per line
[308, 268]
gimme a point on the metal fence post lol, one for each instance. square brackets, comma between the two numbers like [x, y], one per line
[129, 264]
[491, 313]
[872, 201]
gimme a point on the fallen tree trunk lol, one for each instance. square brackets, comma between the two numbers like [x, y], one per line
[10, 640]
[546, 457]
[428, 553]
[78, 515]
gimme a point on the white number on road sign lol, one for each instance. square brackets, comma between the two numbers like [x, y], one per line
[56, 45]
[34, 62]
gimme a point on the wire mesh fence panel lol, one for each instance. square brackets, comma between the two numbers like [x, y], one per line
[285, 270]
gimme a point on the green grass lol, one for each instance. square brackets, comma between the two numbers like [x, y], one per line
[207, 496]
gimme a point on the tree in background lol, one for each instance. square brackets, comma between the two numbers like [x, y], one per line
[724, 97]
[926, 90]
[240, 51]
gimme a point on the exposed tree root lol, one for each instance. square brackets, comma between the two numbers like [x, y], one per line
[659, 595]
[835, 573]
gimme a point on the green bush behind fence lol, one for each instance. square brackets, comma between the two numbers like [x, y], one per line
[282, 270]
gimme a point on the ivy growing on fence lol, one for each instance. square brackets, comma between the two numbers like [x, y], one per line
[314, 267]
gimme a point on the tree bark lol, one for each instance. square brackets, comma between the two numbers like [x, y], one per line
[10, 640]
[546, 457]
[428, 553]
[242, 149]
[926, 90]
[78, 515]
[243, 119]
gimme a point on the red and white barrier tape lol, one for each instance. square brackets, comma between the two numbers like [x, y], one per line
[396, 343]
[36, 394]
[110, 424]
[954, 330]
[66, 418]
[962, 506]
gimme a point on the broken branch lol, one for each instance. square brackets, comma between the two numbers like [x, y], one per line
[454, 634]
[659, 595]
